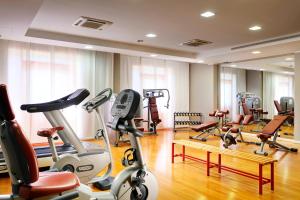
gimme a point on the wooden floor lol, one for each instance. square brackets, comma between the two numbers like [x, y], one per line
[189, 181]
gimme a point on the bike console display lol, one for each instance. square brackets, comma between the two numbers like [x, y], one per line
[125, 107]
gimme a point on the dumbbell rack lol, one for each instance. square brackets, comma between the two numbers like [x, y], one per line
[186, 119]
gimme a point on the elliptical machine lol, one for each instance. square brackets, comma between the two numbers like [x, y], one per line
[134, 182]
[90, 159]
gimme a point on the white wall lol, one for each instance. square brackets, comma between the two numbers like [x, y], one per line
[203, 88]
[254, 82]
[241, 80]
[297, 97]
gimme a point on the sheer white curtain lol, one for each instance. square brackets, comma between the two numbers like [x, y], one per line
[38, 73]
[147, 73]
[276, 86]
[232, 81]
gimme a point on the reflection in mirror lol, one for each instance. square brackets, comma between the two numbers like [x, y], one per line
[261, 88]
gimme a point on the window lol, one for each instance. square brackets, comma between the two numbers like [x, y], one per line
[228, 91]
[147, 73]
[276, 86]
[39, 73]
[232, 81]
[284, 86]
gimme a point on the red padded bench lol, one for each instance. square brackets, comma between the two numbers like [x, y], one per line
[207, 128]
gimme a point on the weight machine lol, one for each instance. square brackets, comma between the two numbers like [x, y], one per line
[287, 104]
[152, 112]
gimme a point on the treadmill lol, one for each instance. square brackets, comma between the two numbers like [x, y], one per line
[43, 153]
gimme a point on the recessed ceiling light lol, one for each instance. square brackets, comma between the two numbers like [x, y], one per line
[289, 59]
[255, 28]
[256, 52]
[88, 47]
[207, 14]
[261, 69]
[153, 55]
[233, 65]
[151, 35]
[200, 61]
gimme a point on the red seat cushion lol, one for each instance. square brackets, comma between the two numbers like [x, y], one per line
[264, 137]
[212, 114]
[247, 119]
[232, 129]
[225, 128]
[291, 113]
[140, 128]
[235, 130]
[204, 126]
[220, 114]
[49, 183]
[49, 131]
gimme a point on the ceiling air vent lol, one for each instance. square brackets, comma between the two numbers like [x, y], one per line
[195, 43]
[92, 23]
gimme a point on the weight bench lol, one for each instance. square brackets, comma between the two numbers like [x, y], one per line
[235, 127]
[271, 130]
[289, 113]
[221, 116]
[257, 114]
[260, 160]
[232, 127]
[207, 128]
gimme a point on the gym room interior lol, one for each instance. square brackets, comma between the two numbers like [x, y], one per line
[149, 99]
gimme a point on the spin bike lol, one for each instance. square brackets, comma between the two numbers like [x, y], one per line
[90, 159]
[134, 182]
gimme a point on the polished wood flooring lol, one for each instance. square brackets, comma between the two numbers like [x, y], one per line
[189, 181]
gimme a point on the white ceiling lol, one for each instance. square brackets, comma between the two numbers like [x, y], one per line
[278, 64]
[16, 17]
[174, 21]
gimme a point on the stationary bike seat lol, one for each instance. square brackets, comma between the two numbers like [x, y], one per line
[49, 131]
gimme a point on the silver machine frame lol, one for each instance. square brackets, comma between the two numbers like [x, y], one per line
[124, 183]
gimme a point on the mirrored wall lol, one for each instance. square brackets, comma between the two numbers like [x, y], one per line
[262, 88]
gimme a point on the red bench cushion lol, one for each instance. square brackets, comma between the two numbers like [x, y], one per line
[270, 129]
[204, 126]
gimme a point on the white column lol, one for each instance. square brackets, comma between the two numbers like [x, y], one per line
[297, 97]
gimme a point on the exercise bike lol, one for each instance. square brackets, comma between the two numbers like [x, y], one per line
[134, 182]
[90, 159]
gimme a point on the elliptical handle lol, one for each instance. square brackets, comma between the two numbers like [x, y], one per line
[135, 132]
[98, 100]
